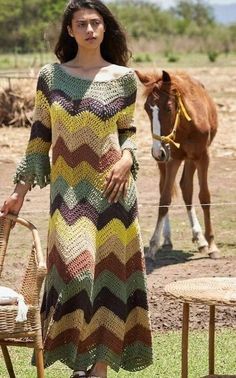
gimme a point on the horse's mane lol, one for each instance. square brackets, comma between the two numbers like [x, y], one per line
[180, 81]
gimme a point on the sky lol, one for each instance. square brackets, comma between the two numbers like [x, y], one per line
[167, 3]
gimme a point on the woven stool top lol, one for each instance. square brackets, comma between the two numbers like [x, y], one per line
[206, 290]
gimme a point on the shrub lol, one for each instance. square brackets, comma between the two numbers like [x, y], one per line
[212, 56]
[142, 58]
[172, 58]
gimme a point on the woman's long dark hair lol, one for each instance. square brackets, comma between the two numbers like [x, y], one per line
[113, 47]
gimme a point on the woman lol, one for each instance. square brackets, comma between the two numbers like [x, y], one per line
[94, 308]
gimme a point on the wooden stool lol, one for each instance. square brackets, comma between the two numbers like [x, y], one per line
[210, 291]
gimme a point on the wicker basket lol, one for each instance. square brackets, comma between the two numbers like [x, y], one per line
[28, 332]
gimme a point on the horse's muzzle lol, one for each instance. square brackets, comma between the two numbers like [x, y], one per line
[164, 154]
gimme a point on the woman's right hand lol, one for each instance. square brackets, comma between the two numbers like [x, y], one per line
[12, 204]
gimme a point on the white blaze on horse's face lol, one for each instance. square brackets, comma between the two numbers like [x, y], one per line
[156, 130]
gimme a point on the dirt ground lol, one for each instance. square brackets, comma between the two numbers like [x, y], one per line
[183, 261]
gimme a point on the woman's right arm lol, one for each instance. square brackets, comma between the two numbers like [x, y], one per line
[34, 168]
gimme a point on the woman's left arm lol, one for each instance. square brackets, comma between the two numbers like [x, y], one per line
[117, 180]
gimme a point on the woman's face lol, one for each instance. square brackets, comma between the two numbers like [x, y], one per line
[87, 27]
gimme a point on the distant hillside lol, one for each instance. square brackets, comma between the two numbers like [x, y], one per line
[225, 14]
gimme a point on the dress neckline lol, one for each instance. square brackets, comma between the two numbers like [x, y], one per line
[90, 80]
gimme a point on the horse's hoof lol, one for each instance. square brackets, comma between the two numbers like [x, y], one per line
[167, 247]
[150, 257]
[150, 260]
[150, 254]
[214, 255]
[204, 250]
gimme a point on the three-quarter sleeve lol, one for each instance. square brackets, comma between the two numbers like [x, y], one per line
[126, 125]
[34, 168]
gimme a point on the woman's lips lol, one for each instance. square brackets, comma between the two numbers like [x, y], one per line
[90, 38]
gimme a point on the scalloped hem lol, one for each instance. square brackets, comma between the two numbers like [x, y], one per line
[32, 180]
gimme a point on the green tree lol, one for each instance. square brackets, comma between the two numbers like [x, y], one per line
[197, 11]
[142, 19]
[26, 26]
[23, 25]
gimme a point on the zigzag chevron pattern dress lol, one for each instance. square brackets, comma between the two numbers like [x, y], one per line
[95, 301]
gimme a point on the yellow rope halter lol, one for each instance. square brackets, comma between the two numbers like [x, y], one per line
[171, 137]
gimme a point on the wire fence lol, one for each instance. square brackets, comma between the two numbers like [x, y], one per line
[152, 205]
[144, 203]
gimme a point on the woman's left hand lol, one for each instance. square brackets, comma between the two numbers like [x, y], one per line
[117, 180]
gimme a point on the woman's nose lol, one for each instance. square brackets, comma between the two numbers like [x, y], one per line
[89, 28]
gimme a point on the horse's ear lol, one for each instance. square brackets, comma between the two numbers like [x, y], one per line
[143, 77]
[165, 77]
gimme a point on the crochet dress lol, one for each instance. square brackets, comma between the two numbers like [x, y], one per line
[95, 300]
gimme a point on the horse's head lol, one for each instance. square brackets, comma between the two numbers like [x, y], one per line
[161, 106]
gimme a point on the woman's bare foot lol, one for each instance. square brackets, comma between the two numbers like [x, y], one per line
[98, 370]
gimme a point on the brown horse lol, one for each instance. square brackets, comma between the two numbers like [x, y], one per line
[183, 122]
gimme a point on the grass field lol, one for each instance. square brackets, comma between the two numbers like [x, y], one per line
[24, 61]
[167, 358]
[9, 62]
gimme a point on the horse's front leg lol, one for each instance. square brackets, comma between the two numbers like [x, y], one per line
[186, 185]
[167, 243]
[165, 200]
[205, 199]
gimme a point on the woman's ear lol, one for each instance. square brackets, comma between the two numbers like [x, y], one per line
[70, 31]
